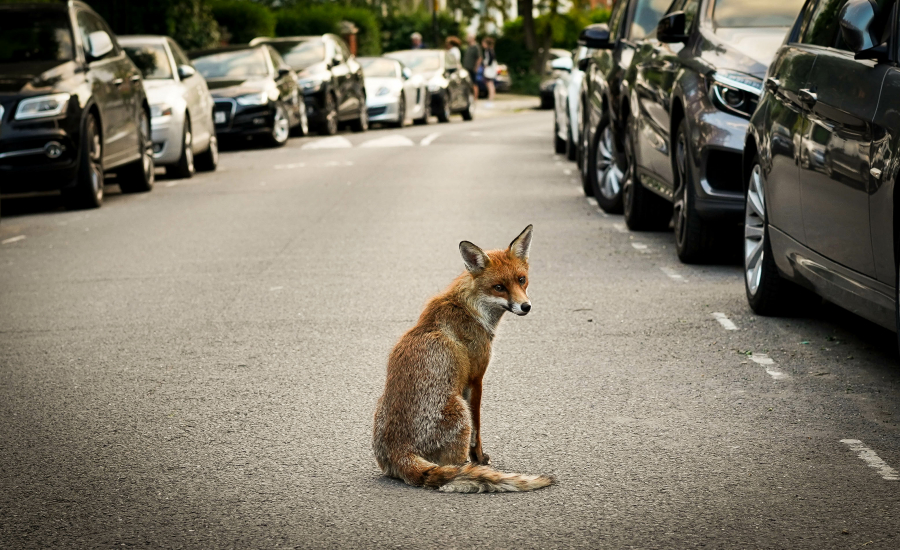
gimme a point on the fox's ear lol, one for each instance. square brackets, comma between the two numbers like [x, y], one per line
[475, 258]
[521, 245]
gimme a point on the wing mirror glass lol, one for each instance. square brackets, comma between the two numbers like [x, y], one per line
[562, 64]
[595, 36]
[862, 27]
[100, 44]
[185, 72]
[672, 28]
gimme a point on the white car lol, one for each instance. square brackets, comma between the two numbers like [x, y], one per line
[182, 128]
[393, 93]
[567, 102]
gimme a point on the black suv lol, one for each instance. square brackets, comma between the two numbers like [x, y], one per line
[696, 83]
[331, 79]
[820, 164]
[72, 105]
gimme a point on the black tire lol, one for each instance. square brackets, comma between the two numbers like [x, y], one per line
[571, 146]
[138, 176]
[401, 111]
[469, 112]
[583, 165]
[606, 171]
[281, 127]
[444, 113]
[559, 144]
[89, 182]
[329, 124]
[643, 209]
[209, 159]
[185, 167]
[546, 102]
[897, 297]
[361, 124]
[695, 238]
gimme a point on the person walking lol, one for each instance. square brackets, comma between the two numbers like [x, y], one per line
[452, 45]
[416, 40]
[490, 69]
[472, 60]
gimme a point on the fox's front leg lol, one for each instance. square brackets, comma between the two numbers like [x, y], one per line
[476, 455]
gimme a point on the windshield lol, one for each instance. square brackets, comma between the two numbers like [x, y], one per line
[419, 62]
[151, 59]
[374, 67]
[759, 13]
[232, 65]
[302, 55]
[646, 18]
[27, 36]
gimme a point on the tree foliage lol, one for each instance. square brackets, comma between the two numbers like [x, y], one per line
[240, 21]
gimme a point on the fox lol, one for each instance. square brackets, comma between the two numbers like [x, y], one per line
[427, 427]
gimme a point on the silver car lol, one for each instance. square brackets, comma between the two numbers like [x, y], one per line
[184, 135]
[393, 93]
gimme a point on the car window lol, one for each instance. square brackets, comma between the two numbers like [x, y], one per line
[277, 60]
[760, 13]
[617, 18]
[344, 49]
[338, 54]
[823, 27]
[87, 24]
[418, 61]
[232, 65]
[179, 55]
[690, 9]
[376, 67]
[646, 17]
[26, 38]
[151, 59]
[303, 54]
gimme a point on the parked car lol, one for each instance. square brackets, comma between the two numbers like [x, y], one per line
[255, 93]
[72, 105]
[331, 79]
[694, 90]
[608, 75]
[567, 102]
[820, 165]
[393, 93]
[548, 80]
[181, 119]
[502, 83]
[450, 86]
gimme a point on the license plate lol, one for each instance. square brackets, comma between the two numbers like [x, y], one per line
[220, 117]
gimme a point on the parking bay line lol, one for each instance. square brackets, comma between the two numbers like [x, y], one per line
[389, 141]
[643, 248]
[15, 239]
[333, 142]
[872, 459]
[620, 227]
[768, 364]
[672, 274]
[426, 141]
[724, 321]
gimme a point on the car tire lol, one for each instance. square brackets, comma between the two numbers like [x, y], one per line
[209, 159]
[444, 113]
[643, 209]
[571, 146]
[897, 297]
[329, 124]
[138, 176]
[559, 144]
[469, 112]
[89, 181]
[281, 127]
[605, 168]
[426, 107]
[401, 112]
[361, 124]
[583, 168]
[546, 102]
[185, 167]
[302, 127]
[695, 238]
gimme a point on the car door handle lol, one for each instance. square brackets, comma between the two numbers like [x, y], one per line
[773, 85]
[118, 82]
[808, 97]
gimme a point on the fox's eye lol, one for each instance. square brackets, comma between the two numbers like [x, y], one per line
[499, 288]
[521, 280]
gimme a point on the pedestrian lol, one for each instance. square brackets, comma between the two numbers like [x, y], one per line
[490, 69]
[472, 59]
[452, 45]
[416, 39]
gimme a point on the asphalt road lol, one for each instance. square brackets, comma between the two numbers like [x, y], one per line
[198, 366]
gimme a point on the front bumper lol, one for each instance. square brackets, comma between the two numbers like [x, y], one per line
[39, 154]
[233, 120]
[717, 160]
[168, 136]
[383, 109]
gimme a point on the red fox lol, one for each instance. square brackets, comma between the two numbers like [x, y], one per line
[427, 428]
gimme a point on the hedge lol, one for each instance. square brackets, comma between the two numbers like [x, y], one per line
[324, 18]
[240, 21]
[397, 29]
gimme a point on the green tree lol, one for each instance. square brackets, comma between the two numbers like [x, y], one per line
[240, 21]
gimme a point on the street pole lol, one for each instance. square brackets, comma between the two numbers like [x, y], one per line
[435, 6]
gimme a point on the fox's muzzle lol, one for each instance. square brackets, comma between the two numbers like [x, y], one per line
[520, 309]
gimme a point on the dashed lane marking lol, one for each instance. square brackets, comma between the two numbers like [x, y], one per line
[643, 248]
[768, 364]
[426, 141]
[172, 183]
[333, 142]
[620, 227]
[872, 459]
[389, 141]
[672, 274]
[567, 172]
[15, 239]
[724, 321]
[290, 166]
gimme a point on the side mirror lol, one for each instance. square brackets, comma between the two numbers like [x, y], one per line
[185, 72]
[99, 44]
[451, 70]
[562, 64]
[407, 74]
[336, 61]
[595, 36]
[283, 72]
[671, 28]
[861, 26]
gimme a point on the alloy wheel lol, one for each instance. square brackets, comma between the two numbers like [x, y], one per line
[754, 231]
[147, 149]
[609, 174]
[331, 122]
[681, 199]
[304, 119]
[214, 150]
[189, 148]
[95, 157]
[281, 126]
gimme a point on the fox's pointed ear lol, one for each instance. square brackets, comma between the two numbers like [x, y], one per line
[475, 258]
[521, 245]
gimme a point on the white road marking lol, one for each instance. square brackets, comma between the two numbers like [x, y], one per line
[15, 239]
[872, 459]
[620, 227]
[426, 141]
[172, 183]
[289, 166]
[672, 274]
[474, 134]
[389, 141]
[275, 288]
[567, 172]
[643, 248]
[724, 321]
[333, 142]
[592, 201]
[767, 363]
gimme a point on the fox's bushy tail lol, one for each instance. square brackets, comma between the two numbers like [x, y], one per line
[472, 478]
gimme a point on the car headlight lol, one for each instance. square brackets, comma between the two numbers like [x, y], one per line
[311, 84]
[42, 106]
[257, 98]
[735, 93]
[384, 90]
[160, 110]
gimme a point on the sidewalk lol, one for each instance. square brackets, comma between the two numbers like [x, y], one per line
[505, 104]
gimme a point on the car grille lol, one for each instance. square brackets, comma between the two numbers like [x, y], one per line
[377, 111]
[223, 107]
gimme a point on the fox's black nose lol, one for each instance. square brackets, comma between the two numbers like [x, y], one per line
[526, 307]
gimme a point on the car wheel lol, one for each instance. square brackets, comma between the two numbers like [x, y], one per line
[897, 298]
[643, 209]
[281, 127]
[606, 177]
[329, 125]
[583, 167]
[695, 238]
[361, 124]
[559, 144]
[571, 146]
[546, 101]
[138, 177]
[469, 112]
[401, 112]
[444, 114]
[185, 167]
[426, 108]
[302, 127]
[88, 189]
[209, 159]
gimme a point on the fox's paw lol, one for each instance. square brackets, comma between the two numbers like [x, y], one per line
[483, 460]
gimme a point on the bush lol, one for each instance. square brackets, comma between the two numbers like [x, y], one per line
[189, 22]
[325, 18]
[240, 21]
[397, 29]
